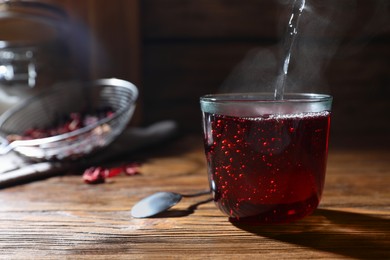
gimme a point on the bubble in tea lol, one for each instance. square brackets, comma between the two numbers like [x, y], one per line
[267, 169]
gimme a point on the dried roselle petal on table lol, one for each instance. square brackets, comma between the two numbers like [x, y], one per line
[94, 175]
[131, 169]
[112, 172]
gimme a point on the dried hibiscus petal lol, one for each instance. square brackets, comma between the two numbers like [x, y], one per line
[131, 169]
[113, 172]
[94, 175]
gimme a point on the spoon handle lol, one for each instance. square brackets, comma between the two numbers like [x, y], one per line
[200, 193]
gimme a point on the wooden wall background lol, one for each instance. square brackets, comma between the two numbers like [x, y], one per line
[178, 50]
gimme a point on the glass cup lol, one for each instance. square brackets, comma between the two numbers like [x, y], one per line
[266, 158]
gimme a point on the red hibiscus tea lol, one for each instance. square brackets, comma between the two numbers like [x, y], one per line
[266, 158]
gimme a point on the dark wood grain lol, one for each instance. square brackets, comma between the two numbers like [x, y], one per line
[62, 217]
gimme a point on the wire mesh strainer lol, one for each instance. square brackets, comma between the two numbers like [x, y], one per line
[43, 109]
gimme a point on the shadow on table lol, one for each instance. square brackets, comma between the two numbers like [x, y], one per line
[349, 234]
[177, 213]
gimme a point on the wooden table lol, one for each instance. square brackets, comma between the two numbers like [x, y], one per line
[62, 217]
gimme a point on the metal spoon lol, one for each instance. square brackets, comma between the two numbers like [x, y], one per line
[159, 202]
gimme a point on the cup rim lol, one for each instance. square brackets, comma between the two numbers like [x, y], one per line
[265, 97]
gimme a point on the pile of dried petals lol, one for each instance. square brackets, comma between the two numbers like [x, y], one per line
[64, 124]
[96, 175]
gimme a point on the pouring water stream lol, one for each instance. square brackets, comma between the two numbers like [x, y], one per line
[291, 34]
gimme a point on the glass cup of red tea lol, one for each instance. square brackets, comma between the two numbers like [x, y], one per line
[266, 158]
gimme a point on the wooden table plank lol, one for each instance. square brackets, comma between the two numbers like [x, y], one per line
[62, 217]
